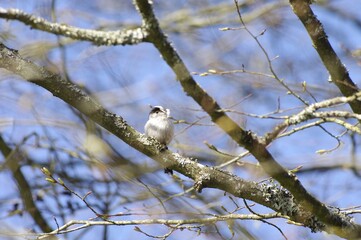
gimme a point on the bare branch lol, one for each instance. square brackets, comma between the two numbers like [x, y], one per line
[267, 194]
[239, 135]
[125, 37]
[173, 222]
[338, 72]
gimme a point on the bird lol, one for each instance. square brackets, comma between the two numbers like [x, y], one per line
[160, 127]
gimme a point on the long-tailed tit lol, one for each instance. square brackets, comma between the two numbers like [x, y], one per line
[160, 127]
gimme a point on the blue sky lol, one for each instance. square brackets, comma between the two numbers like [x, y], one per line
[126, 79]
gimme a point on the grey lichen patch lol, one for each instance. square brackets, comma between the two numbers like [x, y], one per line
[181, 160]
[201, 181]
[149, 141]
[120, 123]
[145, 140]
[302, 116]
[281, 198]
[314, 224]
[344, 219]
[184, 161]
[131, 36]
[128, 36]
[283, 201]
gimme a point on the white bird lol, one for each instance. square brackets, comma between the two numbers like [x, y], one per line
[159, 125]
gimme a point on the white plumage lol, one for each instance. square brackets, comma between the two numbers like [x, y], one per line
[159, 125]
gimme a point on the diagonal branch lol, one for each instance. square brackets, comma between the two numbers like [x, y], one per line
[244, 138]
[338, 72]
[266, 194]
[204, 176]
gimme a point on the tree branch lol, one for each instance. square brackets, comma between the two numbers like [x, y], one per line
[266, 194]
[338, 72]
[125, 37]
[244, 138]
[176, 223]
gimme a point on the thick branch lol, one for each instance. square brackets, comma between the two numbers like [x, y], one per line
[125, 37]
[245, 139]
[338, 72]
[267, 194]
